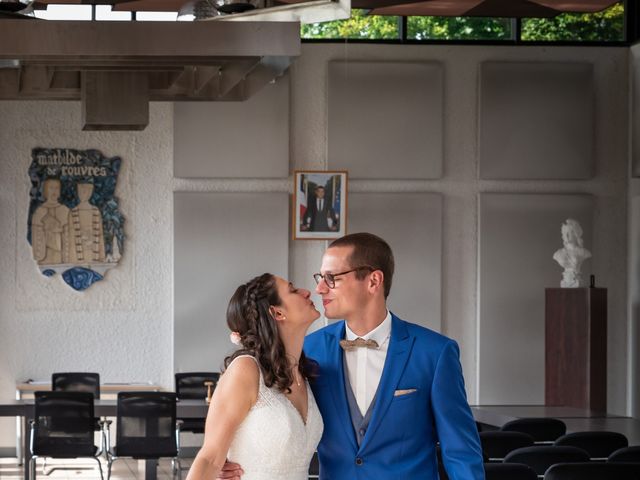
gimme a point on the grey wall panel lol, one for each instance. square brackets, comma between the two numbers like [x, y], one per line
[635, 110]
[386, 119]
[221, 240]
[518, 237]
[536, 120]
[412, 224]
[234, 139]
[634, 297]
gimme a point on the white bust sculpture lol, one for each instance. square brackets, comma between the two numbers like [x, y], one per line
[571, 256]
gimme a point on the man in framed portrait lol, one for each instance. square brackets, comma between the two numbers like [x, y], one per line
[320, 216]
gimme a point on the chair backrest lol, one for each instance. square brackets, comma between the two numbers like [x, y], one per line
[76, 382]
[599, 445]
[314, 466]
[63, 424]
[497, 444]
[190, 385]
[593, 471]
[628, 455]
[541, 429]
[508, 471]
[540, 457]
[146, 425]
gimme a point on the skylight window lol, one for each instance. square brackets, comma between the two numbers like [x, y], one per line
[65, 12]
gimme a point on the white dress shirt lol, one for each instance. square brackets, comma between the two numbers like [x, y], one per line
[364, 365]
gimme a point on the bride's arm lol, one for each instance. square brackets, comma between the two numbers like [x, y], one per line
[235, 394]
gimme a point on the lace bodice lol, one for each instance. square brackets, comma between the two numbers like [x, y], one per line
[273, 442]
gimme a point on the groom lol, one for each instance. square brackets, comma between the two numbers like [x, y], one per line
[388, 390]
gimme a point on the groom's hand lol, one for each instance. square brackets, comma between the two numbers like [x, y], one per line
[231, 471]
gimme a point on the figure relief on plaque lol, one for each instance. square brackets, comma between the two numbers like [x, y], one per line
[86, 235]
[50, 227]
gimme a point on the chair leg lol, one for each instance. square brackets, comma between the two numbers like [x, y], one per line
[110, 461]
[32, 468]
[106, 438]
[99, 467]
[176, 468]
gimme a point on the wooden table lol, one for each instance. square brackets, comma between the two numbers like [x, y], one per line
[576, 419]
[105, 388]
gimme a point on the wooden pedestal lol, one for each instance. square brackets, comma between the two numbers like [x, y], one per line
[576, 347]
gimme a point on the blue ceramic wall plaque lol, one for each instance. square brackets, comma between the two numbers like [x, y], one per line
[75, 227]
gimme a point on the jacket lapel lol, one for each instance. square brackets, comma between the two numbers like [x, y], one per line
[398, 353]
[334, 353]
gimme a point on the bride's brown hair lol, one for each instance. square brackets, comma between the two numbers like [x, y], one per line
[248, 314]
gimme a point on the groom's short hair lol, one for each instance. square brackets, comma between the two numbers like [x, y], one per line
[371, 250]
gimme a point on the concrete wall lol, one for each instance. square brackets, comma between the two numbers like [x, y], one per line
[634, 238]
[460, 184]
[123, 326]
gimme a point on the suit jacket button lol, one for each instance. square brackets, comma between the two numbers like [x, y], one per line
[359, 461]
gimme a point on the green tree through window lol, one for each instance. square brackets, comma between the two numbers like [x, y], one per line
[359, 26]
[458, 28]
[605, 26]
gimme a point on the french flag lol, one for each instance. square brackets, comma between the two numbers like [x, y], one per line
[302, 195]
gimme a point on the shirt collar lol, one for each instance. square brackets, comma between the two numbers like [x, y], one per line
[379, 334]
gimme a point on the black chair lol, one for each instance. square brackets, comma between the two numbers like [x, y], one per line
[314, 467]
[496, 445]
[543, 430]
[508, 471]
[63, 427]
[541, 457]
[82, 382]
[593, 471]
[628, 455]
[599, 445]
[191, 385]
[146, 428]
[76, 382]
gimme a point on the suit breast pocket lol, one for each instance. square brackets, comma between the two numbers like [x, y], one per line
[406, 408]
[405, 393]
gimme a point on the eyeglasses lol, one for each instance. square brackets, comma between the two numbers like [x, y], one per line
[330, 278]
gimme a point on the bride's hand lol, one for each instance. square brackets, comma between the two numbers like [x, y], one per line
[231, 471]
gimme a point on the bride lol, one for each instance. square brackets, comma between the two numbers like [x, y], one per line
[263, 415]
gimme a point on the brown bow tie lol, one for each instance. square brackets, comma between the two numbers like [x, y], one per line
[349, 345]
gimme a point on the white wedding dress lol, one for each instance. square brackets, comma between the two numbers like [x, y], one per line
[273, 442]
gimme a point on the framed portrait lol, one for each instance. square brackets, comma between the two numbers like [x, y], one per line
[319, 205]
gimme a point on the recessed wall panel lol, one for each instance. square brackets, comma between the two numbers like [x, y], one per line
[385, 119]
[247, 139]
[412, 225]
[635, 110]
[221, 240]
[519, 233]
[536, 120]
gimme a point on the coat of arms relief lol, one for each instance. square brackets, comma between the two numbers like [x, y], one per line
[75, 227]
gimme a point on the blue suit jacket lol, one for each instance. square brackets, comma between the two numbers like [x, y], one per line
[400, 442]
